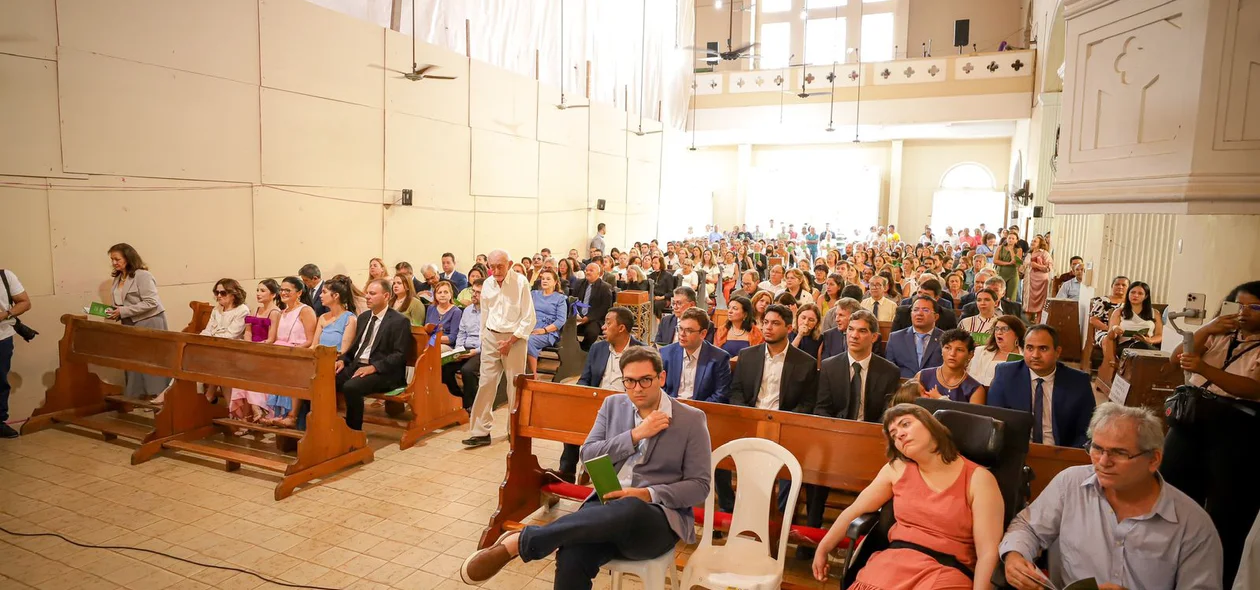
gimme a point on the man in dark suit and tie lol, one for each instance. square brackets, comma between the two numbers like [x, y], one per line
[457, 279]
[597, 297]
[1060, 398]
[602, 371]
[1008, 307]
[854, 385]
[695, 369]
[377, 360]
[310, 277]
[918, 346]
[660, 449]
[945, 317]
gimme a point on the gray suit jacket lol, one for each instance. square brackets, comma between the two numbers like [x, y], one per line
[676, 463]
[140, 297]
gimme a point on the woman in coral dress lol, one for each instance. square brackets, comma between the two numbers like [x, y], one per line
[1037, 279]
[944, 504]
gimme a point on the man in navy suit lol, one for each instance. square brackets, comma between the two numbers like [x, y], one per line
[917, 347]
[1059, 397]
[310, 277]
[695, 369]
[601, 371]
[457, 279]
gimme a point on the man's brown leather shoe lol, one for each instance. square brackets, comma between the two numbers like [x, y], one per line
[483, 565]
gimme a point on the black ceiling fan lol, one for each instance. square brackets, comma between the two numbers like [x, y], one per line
[731, 53]
[418, 73]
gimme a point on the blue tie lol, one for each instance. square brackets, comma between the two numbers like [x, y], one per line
[920, 345]
[876, 310]
[1039, 409]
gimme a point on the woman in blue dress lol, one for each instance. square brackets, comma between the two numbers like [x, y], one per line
[950, 380]
[549, 308]
[335, 329]
[445, 314]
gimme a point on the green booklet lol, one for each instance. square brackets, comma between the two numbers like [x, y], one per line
[1011, 358]
[1086, 584]
[98, 309]
[603, 475]
[1134, 333]
[981, 338]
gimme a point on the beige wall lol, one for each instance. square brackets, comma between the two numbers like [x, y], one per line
[244, 138]
[925, 163]
[992, 21]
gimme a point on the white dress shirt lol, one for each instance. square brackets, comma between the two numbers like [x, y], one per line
[508, 308]
[774, 289]
[771, 379]
[626, 475]
[1047, 425]
[612, 371]
[687, 381]
[861, 392]
[365, 350]
[887, 308]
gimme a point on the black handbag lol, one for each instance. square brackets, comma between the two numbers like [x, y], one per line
[1182, 407]
[26, 332]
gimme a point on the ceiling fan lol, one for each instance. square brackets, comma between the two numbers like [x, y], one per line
[418, 73]
[564, 105]
[805, 78]
[731, 53]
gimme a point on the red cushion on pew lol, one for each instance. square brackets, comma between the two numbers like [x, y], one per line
[568, 490]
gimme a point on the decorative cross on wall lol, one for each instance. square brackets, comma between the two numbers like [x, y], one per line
[760, 81]
[992, 67]
[853, 75]
[778, 80]
[968, 67]
[831, 77]
[740, 82]
[713, 84]
[693, 84]
[933, 71]
[909, 72]
[1016, 65]
[809, 78]
[886, 73]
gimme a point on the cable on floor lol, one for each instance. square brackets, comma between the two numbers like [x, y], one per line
[167, 555]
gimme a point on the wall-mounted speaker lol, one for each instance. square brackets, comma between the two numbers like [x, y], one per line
[962, 32]
[712, 46]
[600, 204]
[1038, 211]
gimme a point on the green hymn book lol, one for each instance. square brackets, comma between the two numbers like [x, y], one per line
[1014, 358]
[98, 309]
[981, 338]
[603, 476]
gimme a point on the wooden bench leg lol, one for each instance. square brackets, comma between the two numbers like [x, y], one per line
[232, 466]
[291, 481]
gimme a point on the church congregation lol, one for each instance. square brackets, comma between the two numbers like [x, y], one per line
[577, 294]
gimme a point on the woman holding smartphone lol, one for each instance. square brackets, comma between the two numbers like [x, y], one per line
[1209, 459]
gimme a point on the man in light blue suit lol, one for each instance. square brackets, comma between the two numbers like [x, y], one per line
[1060, 398]
[695, 369]
[661, 451]
[919, 346]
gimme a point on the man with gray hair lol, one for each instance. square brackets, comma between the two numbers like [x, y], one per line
[1115, 520]
[507, 319]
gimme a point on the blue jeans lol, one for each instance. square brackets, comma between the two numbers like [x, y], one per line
[6, 364]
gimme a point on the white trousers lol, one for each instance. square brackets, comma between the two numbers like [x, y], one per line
[493, 366]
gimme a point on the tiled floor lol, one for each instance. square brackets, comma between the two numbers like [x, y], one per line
[407, 520]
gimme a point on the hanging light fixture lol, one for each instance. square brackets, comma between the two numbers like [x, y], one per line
[717, 4]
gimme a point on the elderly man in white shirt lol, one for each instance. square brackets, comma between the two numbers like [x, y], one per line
[507, 319]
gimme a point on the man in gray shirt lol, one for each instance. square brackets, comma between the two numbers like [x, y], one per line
[1115, 520]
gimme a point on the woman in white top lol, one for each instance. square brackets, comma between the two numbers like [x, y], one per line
[986, 303]
[1133, 325]
[1007, 339]
[226, 321]
[687, 277]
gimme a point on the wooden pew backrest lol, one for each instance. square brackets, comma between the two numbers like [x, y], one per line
[201, 311]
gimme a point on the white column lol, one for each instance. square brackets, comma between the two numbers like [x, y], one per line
[1050, 106]
[894, 183]
[743, 167]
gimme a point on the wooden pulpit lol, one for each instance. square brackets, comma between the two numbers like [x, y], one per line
[640, 304]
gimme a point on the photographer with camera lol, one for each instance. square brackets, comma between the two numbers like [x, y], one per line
[1214, 419]
[13, 302]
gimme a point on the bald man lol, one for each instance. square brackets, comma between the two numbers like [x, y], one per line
[507, 312]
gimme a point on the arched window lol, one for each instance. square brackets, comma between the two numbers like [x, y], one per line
[968, 176]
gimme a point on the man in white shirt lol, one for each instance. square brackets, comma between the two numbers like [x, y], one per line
[878, 303]
[775, 284]
[1071, 288]
[507, 312]
[13, 302]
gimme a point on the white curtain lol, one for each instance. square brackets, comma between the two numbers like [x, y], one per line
[608, 33]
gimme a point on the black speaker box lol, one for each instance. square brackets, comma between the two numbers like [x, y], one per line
[962, 32]
[1038, 211]
[600, 204]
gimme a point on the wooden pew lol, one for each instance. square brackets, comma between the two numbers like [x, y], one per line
[1064, 315]
[428, 401]
[110, 415]
[187, 422]
[1149, 376]
[840, 454]
[885, 330]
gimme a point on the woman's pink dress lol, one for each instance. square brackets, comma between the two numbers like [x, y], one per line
[259, 327]
[940, 521]
[1037, 283]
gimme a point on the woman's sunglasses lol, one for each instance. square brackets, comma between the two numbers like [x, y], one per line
[220, 293]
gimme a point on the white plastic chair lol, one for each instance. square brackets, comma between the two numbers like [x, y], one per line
[652, 572]
[743, 562]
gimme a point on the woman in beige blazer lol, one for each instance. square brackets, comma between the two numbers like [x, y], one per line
[136, 303]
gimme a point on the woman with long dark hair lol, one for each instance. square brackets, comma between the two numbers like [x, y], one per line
[1134, 325]
[296, 328]
[135, 301]
[740, 330]
[261, 327]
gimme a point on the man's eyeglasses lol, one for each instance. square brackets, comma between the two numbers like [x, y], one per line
[688, 331]
[642, 382]
[1116, 454]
